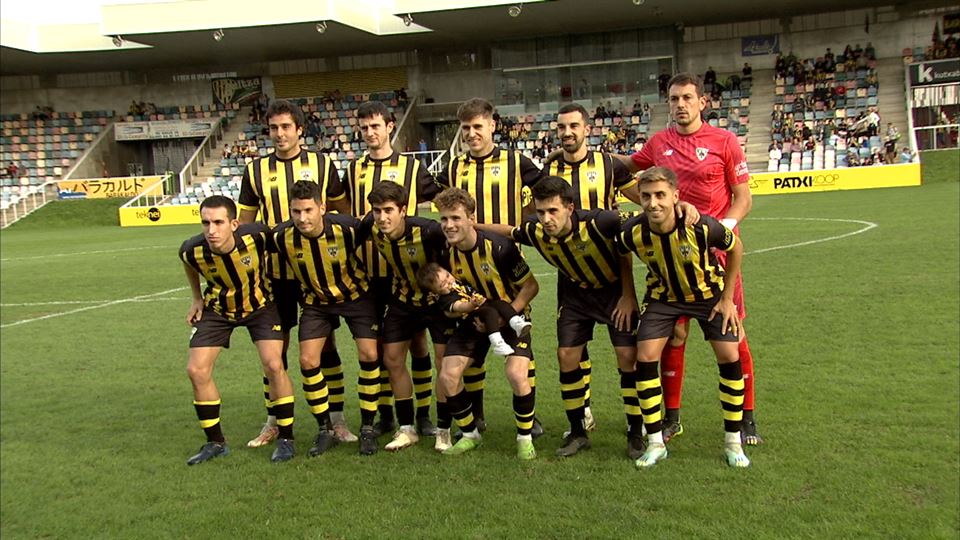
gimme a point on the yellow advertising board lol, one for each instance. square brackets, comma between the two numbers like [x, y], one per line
[870, 177]
[145, 216]
[103, 188]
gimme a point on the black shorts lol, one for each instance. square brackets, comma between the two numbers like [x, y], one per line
[579, 310]
[287, 295]
[402, 321]
[657, 319]
[214, 330]
[468, 341]
[319, 321]
[382, 290]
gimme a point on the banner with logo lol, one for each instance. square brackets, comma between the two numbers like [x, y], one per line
[937, 72]
[145, 216]
[877, 176]
[164, 129]
[951, 23]
[103, 188]
[760, 45]
[229, 90]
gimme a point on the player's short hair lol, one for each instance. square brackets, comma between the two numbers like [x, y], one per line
[684, 78]
[473, 108]
[427, 275]
[575, 107]
[658, 174]
[553, 186]
[451, 198]
[305, 189]
[388, 191]
[220, 201]
[282, 106]
[369, 109]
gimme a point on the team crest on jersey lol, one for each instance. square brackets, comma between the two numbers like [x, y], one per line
[685, 250]
[392, 176]
[332, 251]
[306, 174]
[246, 260]
[592, 177]
[411, 251]
[581, 246]
[702, 153]
[485, 268]
[495, 170]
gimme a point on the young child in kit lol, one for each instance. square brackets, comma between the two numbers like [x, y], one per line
[460, 300]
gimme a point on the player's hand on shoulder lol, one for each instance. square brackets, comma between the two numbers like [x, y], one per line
[689, 212]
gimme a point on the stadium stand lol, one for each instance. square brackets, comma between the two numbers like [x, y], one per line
[150, 112]
[938, 49]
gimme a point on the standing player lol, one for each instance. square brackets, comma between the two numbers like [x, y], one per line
[495, 178]
[685, 279]
[595, 286]
[320, 251]
[264, 190]
[492, 265]
[712, 174]
[596, 178]
[232, 258]
[382, 163]
[406, 243]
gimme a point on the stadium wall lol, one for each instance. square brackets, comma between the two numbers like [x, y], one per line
[808, 36]
[105, 97]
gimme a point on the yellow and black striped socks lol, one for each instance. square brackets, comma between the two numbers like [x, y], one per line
[421, 369]
[572, 393]
[368, 389]
[208, 412]
[586, 366]
[461, 407]
[631, 400]
[474, 379]
[650, 396]
[283, 409]
[523, 411]
[731, 395]
[317, 394]
[332, 369]
[385, 396]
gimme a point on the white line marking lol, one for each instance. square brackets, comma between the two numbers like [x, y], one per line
[98, 252]
[95, 306]
[867, 226]
[81, 302]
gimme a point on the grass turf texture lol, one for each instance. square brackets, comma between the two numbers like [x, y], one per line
[856, 345]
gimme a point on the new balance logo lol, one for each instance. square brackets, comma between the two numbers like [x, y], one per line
[276, 328]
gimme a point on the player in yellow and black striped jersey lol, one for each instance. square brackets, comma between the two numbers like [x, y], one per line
[264, 190]
[492, 265]
[320, 249]
[381, 162]
[684, 280]
[232, 258]
[595, 285]
[406, 243]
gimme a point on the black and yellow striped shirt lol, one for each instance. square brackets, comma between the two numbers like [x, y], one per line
[365, 173]
[681, 266]
[236, 281]
[587, 254]
[493, 267]
[327, 267]
[422, 242]
[596, 179]
[266, 186]
[496, 181]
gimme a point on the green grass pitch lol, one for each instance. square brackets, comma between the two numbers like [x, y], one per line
[856, 347]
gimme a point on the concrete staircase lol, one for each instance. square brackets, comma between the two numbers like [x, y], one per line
[230, 135]
[758, 133]
[891, 98]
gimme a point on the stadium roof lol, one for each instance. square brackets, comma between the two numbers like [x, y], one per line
[50, 36]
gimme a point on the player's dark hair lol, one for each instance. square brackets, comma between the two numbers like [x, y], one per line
[220, 201]
[282, 106]
[451, 198]
[473, 108]
[305, 189]
[659, 174]
[553, 186]
[575, 107]
[427, 275]
[685, 78]
[369, 109]
[385, 192]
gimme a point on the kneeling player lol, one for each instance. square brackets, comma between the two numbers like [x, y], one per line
[232, 258]
[460, 300]
[685, 279]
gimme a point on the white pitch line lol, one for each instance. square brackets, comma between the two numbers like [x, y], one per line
[867, 226]
[98, 252]
[95, 306]
[81, 302]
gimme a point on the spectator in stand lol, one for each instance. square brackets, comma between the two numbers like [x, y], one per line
[662, 81]
[906, 155]
[226, 152]
[709, 78]
[747, 72]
